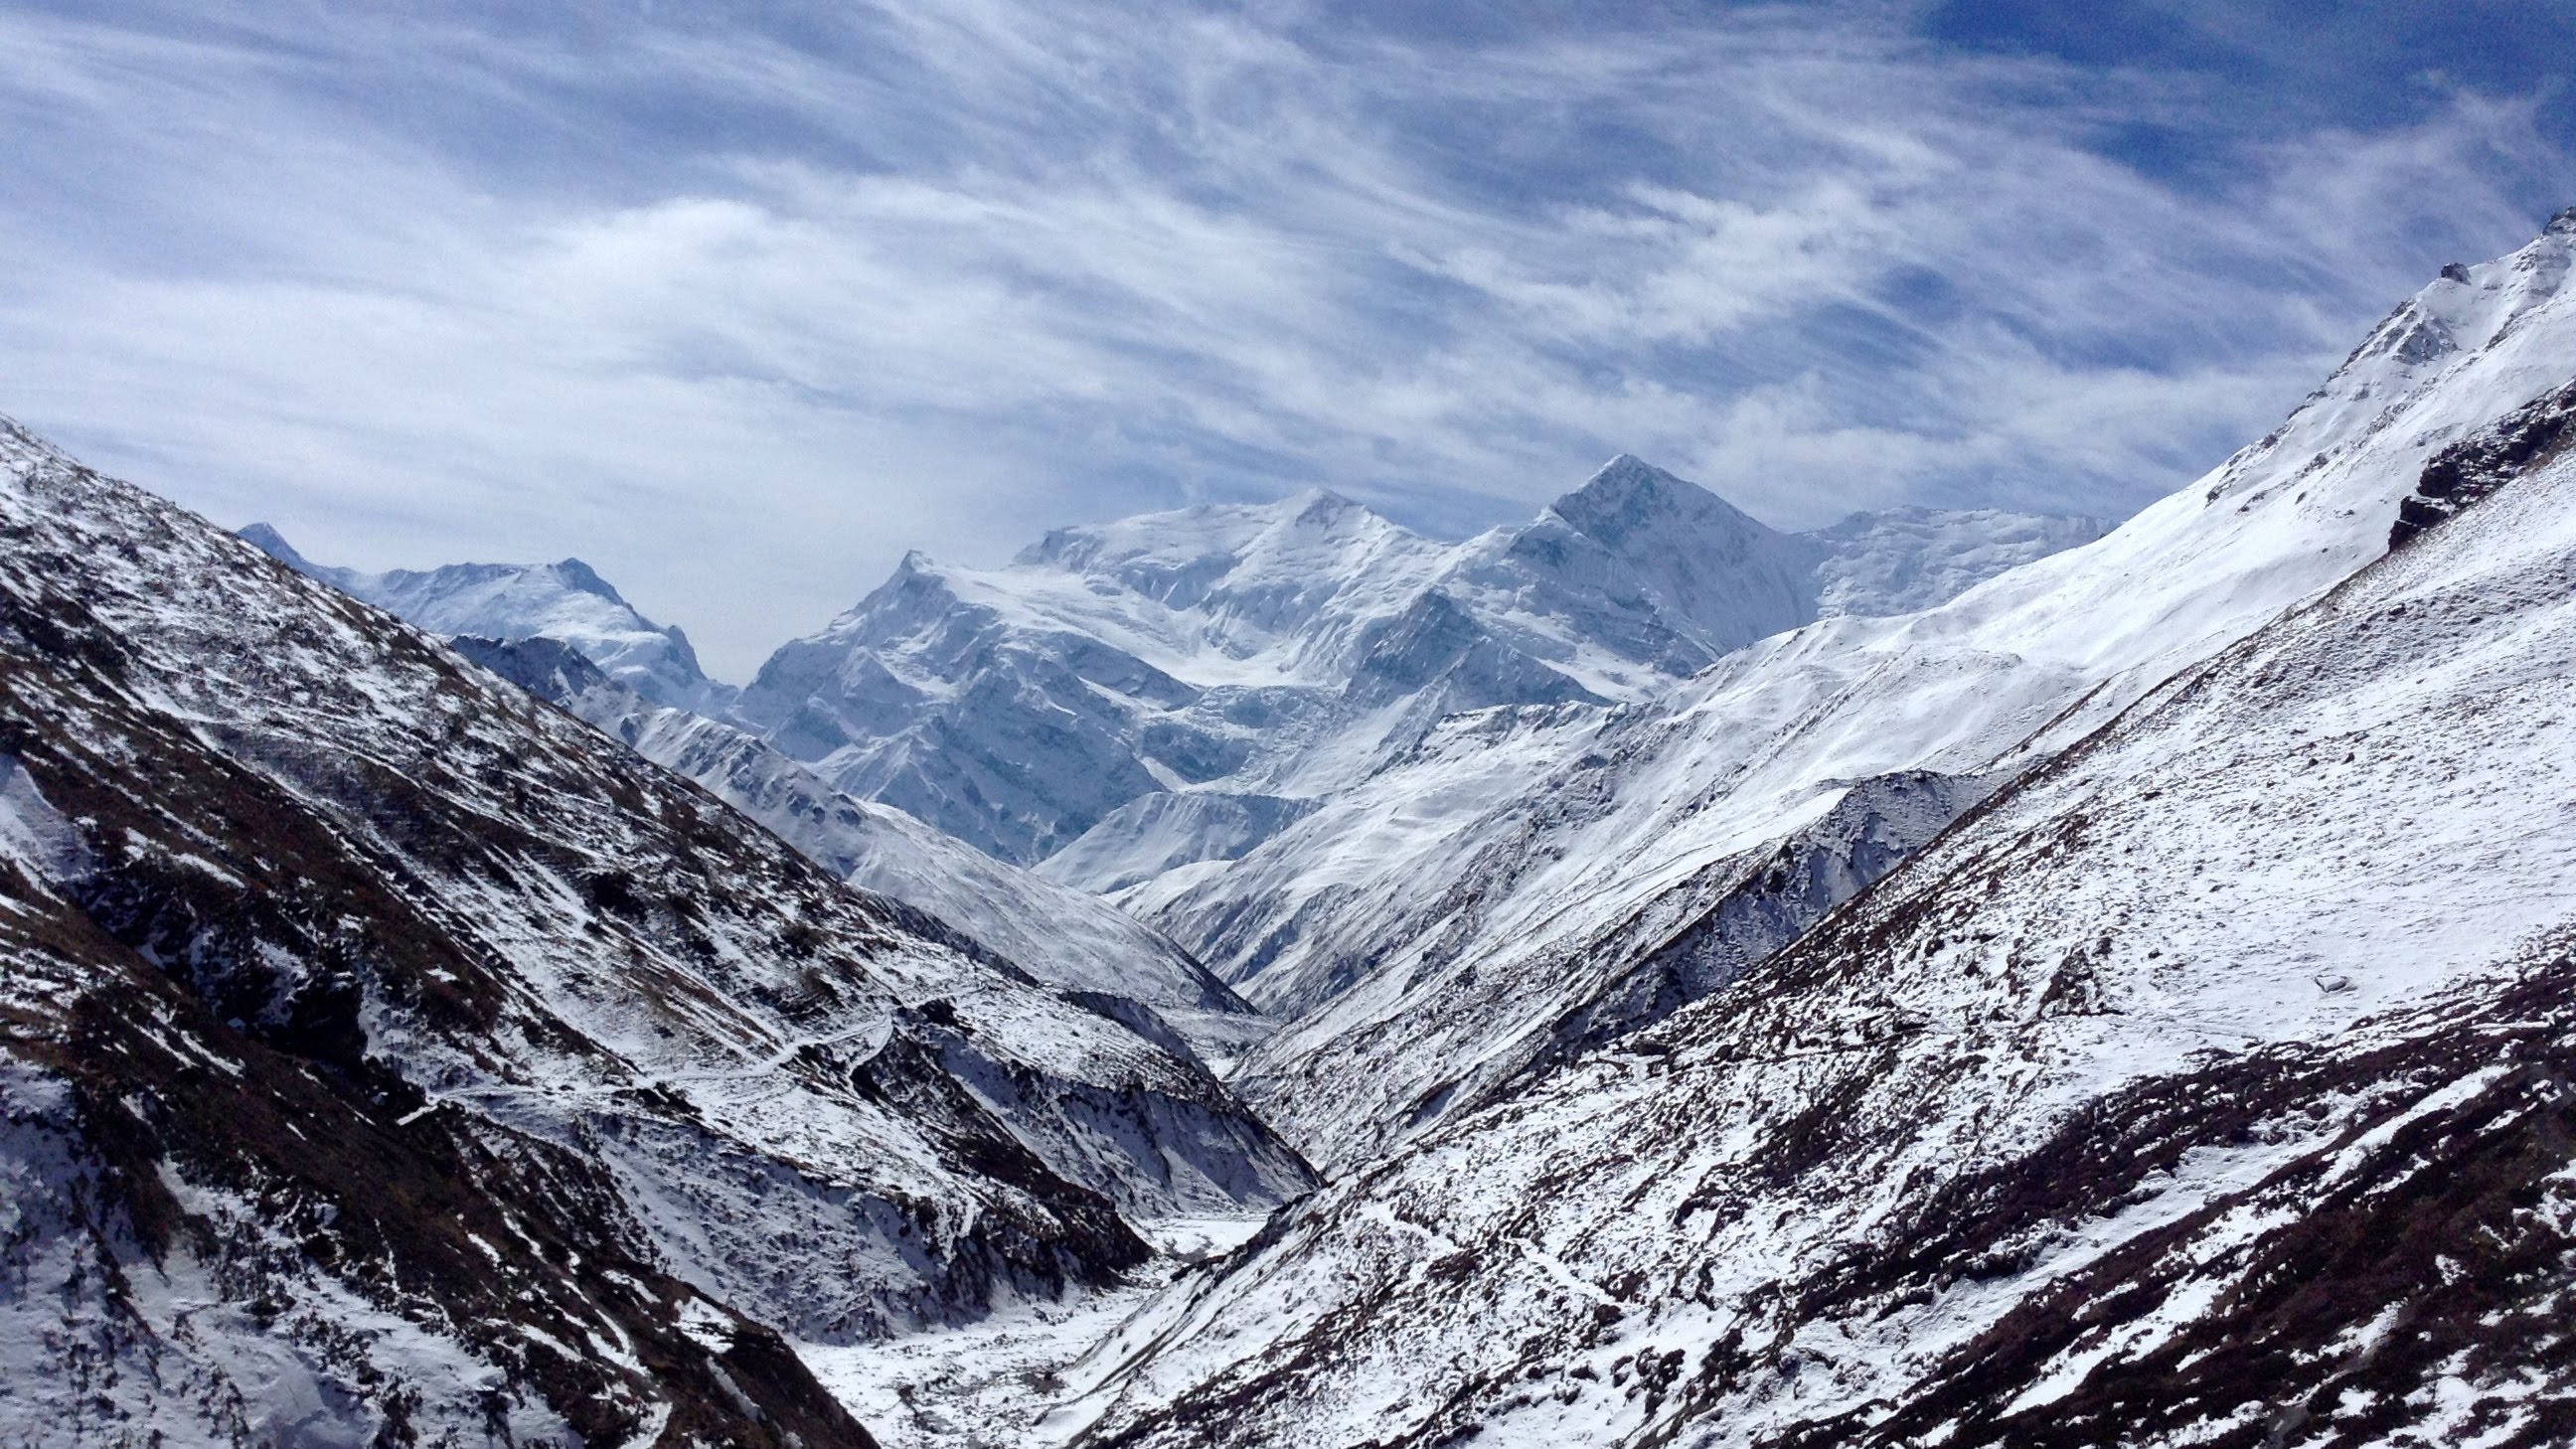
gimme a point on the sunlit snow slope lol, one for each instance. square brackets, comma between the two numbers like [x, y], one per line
[2211, 1083]
[1446, 914]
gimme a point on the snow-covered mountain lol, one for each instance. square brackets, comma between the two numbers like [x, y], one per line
[2209, 1082]
[1944, 979]
[1065, 937]
[566, 601]
[391, 1057]
[1516, 856]
[1268, 656]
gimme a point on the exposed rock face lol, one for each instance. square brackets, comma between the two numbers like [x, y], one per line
[2469, 470]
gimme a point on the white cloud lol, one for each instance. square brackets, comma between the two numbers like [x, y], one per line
[741, 314]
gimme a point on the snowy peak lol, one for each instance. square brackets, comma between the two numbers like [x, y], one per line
[1208, 531]
[1629, 500]
[1285, 650]
[269, 541]
[581, 578]
[2499, 320]
[1253, 570]
[1715, 573]
[566, 601]
[2468, 309]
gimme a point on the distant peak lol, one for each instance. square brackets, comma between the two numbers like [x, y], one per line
[586, 579]
[1629, 473]
[269, 541]
[1629, 497]
[917, 571]
[264, 537]
[2563, 224]
[1321, 505]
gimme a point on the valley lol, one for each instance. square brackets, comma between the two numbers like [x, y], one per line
[1260, 977]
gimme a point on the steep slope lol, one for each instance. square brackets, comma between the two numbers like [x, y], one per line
[388, 1054]
[1363, 916]
[2211, 1084]
[1062, 936]
[1908, 559]
[1271, 655]
[1717, 577]
[566, 601]
[1394, 1052]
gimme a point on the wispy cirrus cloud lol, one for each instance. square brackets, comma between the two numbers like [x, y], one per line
[740, 304]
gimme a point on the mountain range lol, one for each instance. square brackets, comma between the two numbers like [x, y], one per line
[1650, 978]
[1262, 657]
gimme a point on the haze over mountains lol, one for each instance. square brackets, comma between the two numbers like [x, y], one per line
[1946, 978]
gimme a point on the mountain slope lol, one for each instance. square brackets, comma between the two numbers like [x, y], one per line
[566, 601]
[1908, 559]
[1062, 936]
[389, 1052]
[1281, 652]
[2208, 1085]
[1360, 918]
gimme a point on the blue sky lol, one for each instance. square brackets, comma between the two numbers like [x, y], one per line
[740, 301]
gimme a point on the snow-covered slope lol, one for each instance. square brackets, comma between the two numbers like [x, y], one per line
[2210, 1083]
[566, 601]
[386, 1053]
[1907, 559]
[1280, 652]
[1364, 919]
[1062, 936]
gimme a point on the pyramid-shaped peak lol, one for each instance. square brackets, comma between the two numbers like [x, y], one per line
[1629, 497]
[1321, 506]
[269, 541]
[585, 579]
[1319, 497]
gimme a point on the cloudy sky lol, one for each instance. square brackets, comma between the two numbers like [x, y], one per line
[739, 301]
